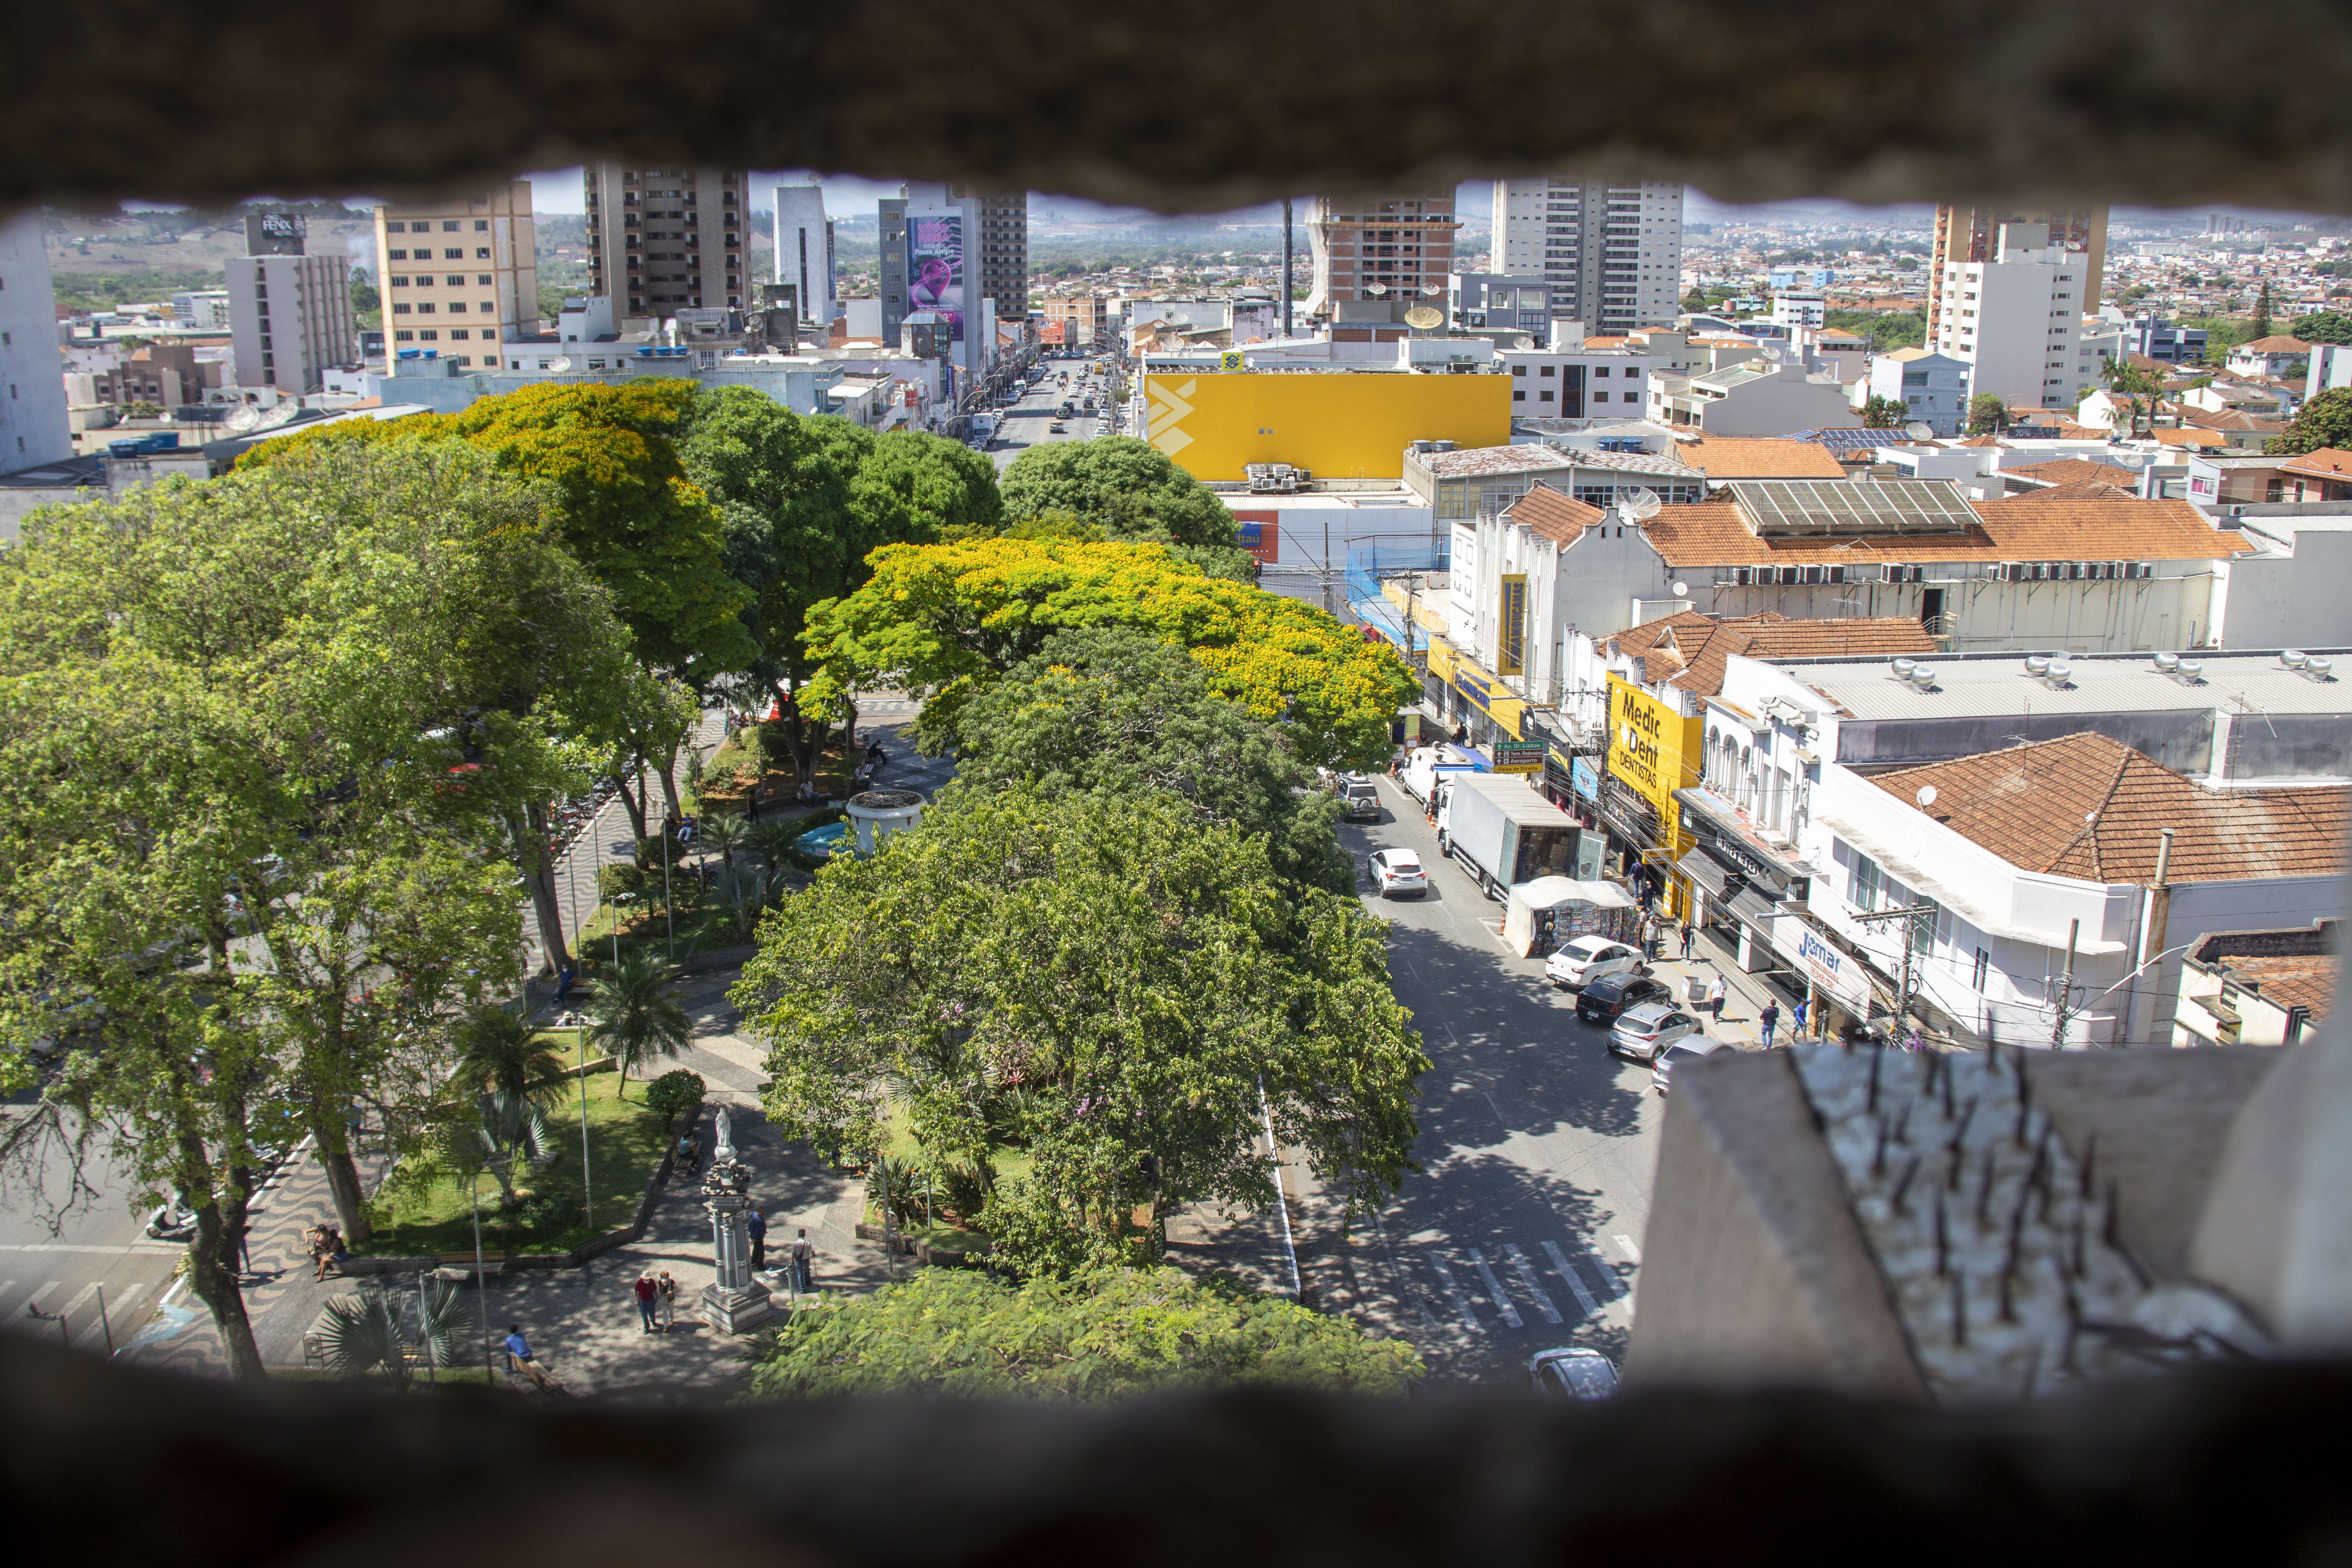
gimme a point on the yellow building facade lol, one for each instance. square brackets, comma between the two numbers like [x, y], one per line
[1336, 425]
[1653, 751]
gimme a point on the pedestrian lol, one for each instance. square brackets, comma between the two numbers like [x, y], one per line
[667, 1288]
[758, 1226]
[563, 984]
[1797, 1023]
[804, 1260]
[644, 1290]
[1688, 926]
[751, 808]
[1765, 1019]
[1716, 991]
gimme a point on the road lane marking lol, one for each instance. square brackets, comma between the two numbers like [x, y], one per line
[1527, 1273]
[1625, 1244]
[34, 1298]
[70, 1308]
[122, 1250]
[1461, 1303]
[1576, 1286]
[1494, 1290]
[1396, 1272]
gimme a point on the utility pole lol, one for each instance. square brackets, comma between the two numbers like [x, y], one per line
[2064, 1011]
[1285, 268]
[1910, 915]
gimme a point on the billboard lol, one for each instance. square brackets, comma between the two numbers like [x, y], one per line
[1340, 426]
[1653, 751]
[1261, 534]
[935, 267]
[1511, 648]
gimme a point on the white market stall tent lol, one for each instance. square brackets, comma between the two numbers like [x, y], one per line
[1550, 911]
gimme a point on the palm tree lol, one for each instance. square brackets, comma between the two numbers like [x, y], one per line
[499, 1051]
[741, 896]
[777, 843]
[511, 1128]
[633, 1017]
[724, 834]
[359, 1334]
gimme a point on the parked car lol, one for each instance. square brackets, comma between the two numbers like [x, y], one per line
[1399, 872]
[1611, 995]
[1585, 959]
[1681, 1053]
[1360, 795]
[1644, 1031]
[1573, 1374]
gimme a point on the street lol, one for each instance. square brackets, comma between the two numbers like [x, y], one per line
[100, 1251]
[1026, 422]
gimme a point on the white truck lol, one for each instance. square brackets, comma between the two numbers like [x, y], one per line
[1503, 831]
[1425, 765]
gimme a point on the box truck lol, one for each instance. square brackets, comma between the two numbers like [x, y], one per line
[1503, 831]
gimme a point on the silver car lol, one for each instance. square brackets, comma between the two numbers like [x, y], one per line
[1681, 1053]
[1645, 1030]
[1572, 1374]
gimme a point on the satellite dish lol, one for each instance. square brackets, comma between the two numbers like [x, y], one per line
[563, 363]
[243, 418]
[1925, 797]
[1641, 503]
[1420, 317]
[1920, 430]
[1682, 590]
[1376, 287]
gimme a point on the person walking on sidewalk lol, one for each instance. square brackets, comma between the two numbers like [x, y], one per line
[758, 1226]
[645, 1293]
[803, 1257]
[1797, 1022]
[1765, 1019]
[1716, 990]
[666, 1289]
[1689, 927]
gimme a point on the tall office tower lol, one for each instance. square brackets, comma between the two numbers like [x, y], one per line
[664, 240]
[1613, 254]
[1967, 234]
[890, 266]
[33, 427]
[1392, 247]
[459, 277]
[1003, 248]
[804, 250]
[289, 314]
[2013, 317]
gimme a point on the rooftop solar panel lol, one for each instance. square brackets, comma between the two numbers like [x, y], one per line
[1854, 506]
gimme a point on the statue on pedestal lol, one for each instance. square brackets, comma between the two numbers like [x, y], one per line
[734, 1301]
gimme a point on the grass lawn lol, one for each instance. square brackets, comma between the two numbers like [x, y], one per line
[625, 1146]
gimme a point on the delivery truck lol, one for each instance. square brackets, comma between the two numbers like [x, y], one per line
[1503, 831]
[1424, 765]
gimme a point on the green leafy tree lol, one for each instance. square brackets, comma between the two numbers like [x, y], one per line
[367, 305]
[2324, 327]
[2324, 421]
[1988, 414]
[1695, 301]
[1883, 413]
[1113, 709]
[633, 1017]
[673, 1095]
[1088, 981]
[1103, 1335]
[2140, 388]
[499, 1051]
[2262, 311]
[949, 619]
[282, 885]
[1130, 487]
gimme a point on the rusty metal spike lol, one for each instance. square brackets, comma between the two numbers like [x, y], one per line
[1984, 1192]
[1943, 1241]
[1959, 1309]
[1949, 1075]
[2089, 1164]
[2079, 1227]
[2024, 1116]
[2008, 1306]
[1903, 1184]
[1903, 1123]
[1878, 1058]
[1878, 1155]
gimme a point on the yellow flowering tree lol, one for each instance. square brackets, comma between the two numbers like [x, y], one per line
[948, 620]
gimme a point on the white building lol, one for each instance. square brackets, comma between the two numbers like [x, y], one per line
[1797, 307]
[290, 319]
[33, 426]
[1932, 388]
[2015, 319]
[804, 254]
[1612, 253]
[1769, 396]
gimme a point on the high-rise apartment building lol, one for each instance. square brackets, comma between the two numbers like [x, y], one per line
[664, 240]
[1393, 248]
[1003, 249]
[1612, 253]
[459, 277]
[1967, 234]
[804, 250]
[2013, 317]
[33, 426]
[289, 313]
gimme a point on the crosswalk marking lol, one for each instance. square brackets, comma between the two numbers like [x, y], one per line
[70, 1308]
[34, 1298]
[1495, 1289]
[1527, 1276]
[1626, 1244]
[1568, 1272]
[1460, 1304]
[120, 1312]
[1616, 1287]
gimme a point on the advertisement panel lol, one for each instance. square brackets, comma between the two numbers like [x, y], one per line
[1653, 751]
[1261, 534]
[1511, 643]
[935, 267]
[1839, 974]
[1585, 777]
[1336, 425]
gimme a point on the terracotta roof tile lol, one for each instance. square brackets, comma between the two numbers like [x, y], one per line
[2325, 463]
[2305, 981]
[1692, 649]
[1723, 458]
[2075, 470]
[2084, 489]
[2277, 343]
[2029, 805]
[1550, 515]
[1715, 533]
[2188, 435]
[2232, 419]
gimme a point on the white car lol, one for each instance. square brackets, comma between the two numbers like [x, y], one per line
[1586, 959]
[1645, 1030]
[1399, 872]
[1681, 1053]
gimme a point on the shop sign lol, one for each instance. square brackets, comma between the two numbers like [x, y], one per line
[1520, 756]
[1586, 778]
[1839, 973]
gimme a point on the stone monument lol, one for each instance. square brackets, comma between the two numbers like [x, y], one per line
[734, 1301]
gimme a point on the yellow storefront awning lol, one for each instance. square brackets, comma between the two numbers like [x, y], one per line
[1486, 692]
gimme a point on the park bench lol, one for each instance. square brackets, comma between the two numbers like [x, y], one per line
[458, 1267]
